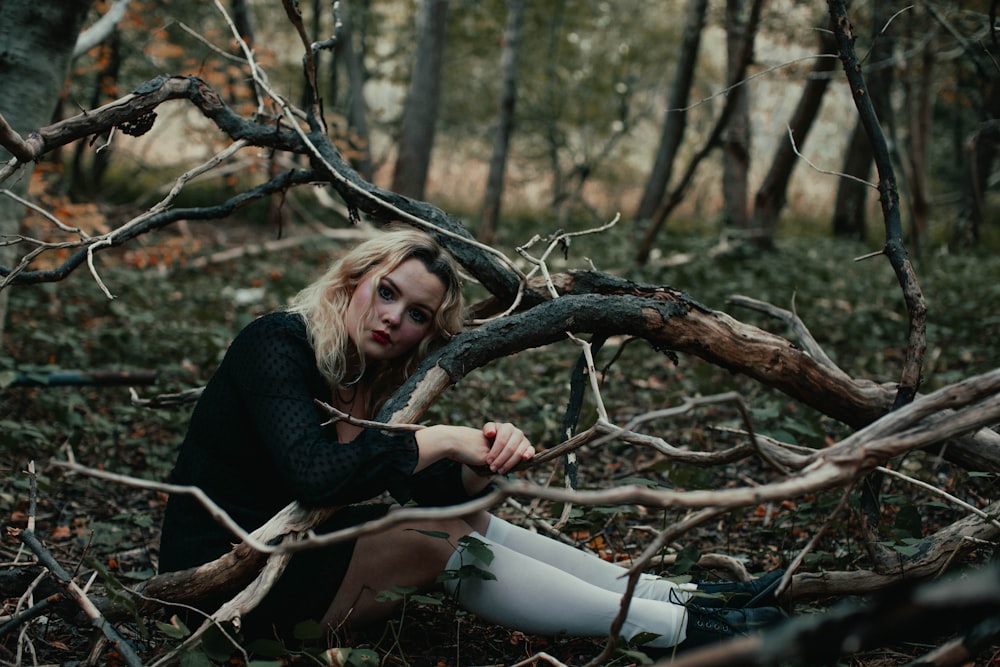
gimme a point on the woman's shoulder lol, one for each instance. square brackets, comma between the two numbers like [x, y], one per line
[276, 325]
[279, 320]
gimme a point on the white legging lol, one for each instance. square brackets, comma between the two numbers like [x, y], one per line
[545, 587]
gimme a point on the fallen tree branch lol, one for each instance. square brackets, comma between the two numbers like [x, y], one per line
[973, 402]
[97, 620]
[70, 378]
[904, 613]
[594, 302]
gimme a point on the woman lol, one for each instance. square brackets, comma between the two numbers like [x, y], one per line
[256, 443]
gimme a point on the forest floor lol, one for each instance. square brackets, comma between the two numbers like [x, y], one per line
[179, 303]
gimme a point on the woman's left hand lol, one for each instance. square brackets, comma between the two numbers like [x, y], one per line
[509, 446]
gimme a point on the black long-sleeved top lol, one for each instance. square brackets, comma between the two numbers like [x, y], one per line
[256, 443]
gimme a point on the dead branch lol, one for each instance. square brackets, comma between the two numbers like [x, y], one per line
[972, 402]
[904, 613]
[28, 539]
[598, 303]
[798, 327]
[70, 378]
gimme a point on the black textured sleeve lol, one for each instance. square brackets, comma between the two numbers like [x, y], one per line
[274, 372]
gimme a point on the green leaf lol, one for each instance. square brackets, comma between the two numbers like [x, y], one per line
[217, 642]
[905, 550]
[7, 378]
[474, 572]
[267, 648]
[175, 629]
[476, 548]
[446, 575]
[363, 657]
[309, 629]
[686, 559]
[644, 638]
[637, 657]
[388, 596]
[427, 599]
[195, 658]
[908, 521]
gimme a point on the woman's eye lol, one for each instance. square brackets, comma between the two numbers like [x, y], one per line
[419, 316]
[384, 292]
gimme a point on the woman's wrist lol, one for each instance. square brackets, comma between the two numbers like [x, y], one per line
[432, 446]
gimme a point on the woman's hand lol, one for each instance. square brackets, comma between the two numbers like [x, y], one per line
[508, 446]
[497, 446]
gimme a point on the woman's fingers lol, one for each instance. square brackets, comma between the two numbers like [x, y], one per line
[509, 447]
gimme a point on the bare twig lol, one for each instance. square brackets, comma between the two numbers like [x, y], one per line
[940, 492]
[839, 174]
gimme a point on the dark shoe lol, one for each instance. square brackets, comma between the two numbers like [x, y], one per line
[739, 594]
[711, 625]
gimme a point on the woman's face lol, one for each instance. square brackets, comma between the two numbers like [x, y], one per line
[397, 313]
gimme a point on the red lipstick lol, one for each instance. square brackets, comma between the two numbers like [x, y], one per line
[380, 337]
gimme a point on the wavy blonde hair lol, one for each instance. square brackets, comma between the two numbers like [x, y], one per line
[323, 305]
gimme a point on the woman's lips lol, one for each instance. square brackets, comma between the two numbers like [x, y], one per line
[380, 337]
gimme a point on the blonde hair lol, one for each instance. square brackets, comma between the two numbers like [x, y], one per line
[323, 305]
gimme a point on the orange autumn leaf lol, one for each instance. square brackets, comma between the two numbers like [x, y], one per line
[61, 533]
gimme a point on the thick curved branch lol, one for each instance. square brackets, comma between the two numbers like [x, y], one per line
[594, 302]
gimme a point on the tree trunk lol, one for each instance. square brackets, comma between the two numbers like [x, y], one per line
[917, 91]
[350, 52]
[38, 37]
[675, 118]
[849, 209]
[736, 145]
[979, 152]
[982, 154]
[490, 213]
[770, 197]
[86, 181]
[416, 136]
[849, 205]
[714, 140]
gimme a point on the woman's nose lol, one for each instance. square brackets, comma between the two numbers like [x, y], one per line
[391, 315]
